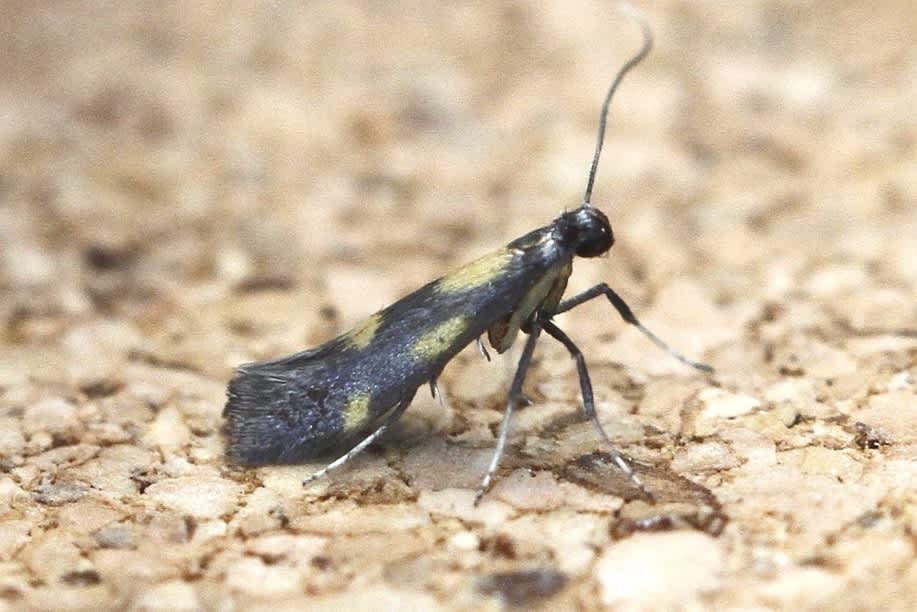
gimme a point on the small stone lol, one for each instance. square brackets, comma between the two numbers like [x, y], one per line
[58, 494]
[87, 515]
[168, 431]
[200, 497]
[820, 460]
[902, 381]
[465, 541]
[117, 470]
[13, 536]
[541, 491]
[276, 546]
[11, 494]
[115, 535]
[172, 595]
[572, 537]
[51, 554]
[208, 530]
[436, 464]
[518, 588]
[716, 407]
[12, 442]
[351, 519]
[799, 392]
[787, 412]
[263, 512]
[124, 569]
[251, 576]
[55, 416]
[659, 570]
[705, 456]
[459, 503]
[752, 447]
[725, 405]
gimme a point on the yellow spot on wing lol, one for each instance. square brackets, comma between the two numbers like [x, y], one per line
[361, 335]
[356, 412]
[440, 339]
[476, 273]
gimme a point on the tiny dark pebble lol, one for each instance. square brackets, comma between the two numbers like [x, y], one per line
[520, 588]
[58, 494]
[82, 578]
[498, 545]
[868, 436]
[321, 562]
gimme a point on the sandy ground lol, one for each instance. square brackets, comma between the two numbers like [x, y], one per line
[192, 186]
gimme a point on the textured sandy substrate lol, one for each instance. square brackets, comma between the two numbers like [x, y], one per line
[191, 187]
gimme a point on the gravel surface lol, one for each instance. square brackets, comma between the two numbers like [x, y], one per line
[185, 187]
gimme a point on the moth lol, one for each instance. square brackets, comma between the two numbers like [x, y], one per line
[344, 394]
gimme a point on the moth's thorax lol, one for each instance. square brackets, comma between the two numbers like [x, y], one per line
[586, 231]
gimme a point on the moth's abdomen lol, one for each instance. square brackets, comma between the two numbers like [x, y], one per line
[280, 417]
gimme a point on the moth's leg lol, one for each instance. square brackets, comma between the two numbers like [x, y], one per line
[436, 393]
[356, 450]
[515, 395]
[628, 315]
[482, 349]
[589, 402]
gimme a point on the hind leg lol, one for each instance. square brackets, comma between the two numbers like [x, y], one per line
[362, 444]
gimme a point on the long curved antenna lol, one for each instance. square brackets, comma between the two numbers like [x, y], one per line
[637, 16]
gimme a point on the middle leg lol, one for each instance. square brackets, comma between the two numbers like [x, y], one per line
[589, 402]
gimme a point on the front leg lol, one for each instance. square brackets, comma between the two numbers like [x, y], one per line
[628, 315]
[589, 403]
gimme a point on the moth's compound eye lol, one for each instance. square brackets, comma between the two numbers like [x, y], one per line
[593, 232]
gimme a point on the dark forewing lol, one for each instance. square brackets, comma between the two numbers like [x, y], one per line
[300, 406]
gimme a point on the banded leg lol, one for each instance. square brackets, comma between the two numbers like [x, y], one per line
[515, 395]
[436, 393]
[628, 315]
[482, 349]
[356, 450]
[585, 385]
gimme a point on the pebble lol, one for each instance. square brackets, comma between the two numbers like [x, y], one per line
[352, 519]
[294, 548]
[529, 490]
[166, 597]
[14, 534]
[168, 431]
[55, 416]
[459, 503]
[836, 463]
[717, 406]
[115, 535]
[251, 576]
[58, 494]
[659, 570]
[87, 515]
[705, 456]
[200, 497]
[12, 442]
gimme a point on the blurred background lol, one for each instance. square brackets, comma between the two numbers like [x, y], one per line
[186, 186]
[156, 163]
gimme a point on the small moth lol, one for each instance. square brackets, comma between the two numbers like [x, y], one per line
[342, 395]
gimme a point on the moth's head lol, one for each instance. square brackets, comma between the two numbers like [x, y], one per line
[586, 230]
